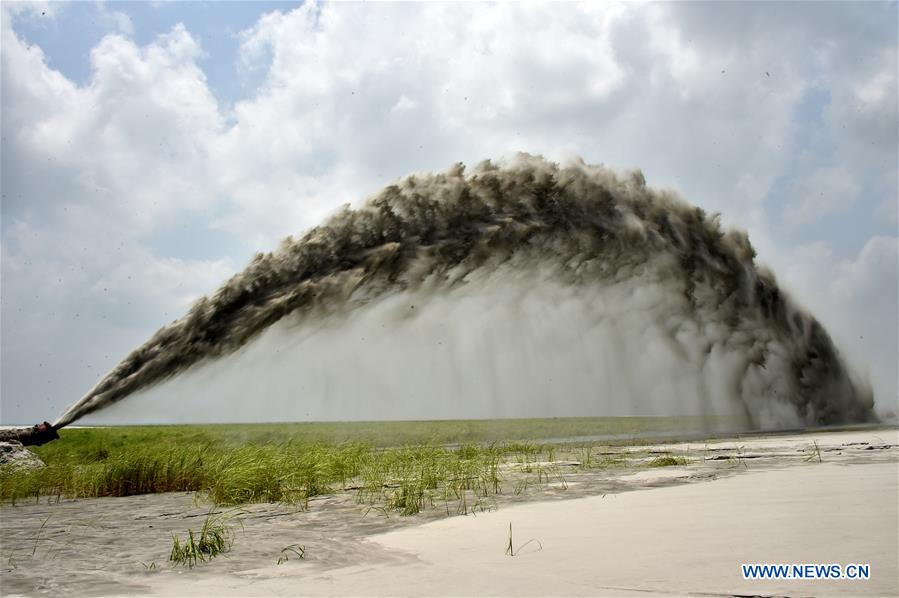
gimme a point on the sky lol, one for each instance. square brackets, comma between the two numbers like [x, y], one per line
[150, 149]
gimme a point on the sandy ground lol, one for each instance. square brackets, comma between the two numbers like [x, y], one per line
[681, 530]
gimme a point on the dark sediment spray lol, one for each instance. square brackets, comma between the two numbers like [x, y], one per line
[581, 227]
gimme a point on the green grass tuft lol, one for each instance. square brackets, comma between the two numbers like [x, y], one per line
[667, 461]
[215, 538]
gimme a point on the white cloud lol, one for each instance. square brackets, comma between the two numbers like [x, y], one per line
[117, 19]
[130, 143]
[90, 175]
[404, 104]
[822, 192]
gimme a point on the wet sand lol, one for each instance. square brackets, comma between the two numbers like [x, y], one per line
[681, 530]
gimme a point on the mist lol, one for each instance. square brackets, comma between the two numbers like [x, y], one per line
[518, 290]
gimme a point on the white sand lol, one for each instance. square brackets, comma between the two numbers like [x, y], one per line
[688, 539]
[676, 540]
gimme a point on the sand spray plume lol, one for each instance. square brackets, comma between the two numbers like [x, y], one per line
[613, 269]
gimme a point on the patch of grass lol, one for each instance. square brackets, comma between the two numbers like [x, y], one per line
[404, 479]
[667, 461]
[96, 443]
[404, 467]
[215, 538]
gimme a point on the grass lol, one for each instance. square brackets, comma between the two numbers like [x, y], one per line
[813, 452]
[293, 550]
[510, 547]
[95, 443]
[213, 539]
[667, 461]
[402, 467]
[38, 537]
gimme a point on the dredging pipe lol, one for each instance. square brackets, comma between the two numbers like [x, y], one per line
[33, 436]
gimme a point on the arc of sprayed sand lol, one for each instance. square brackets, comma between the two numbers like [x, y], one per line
[442, 226]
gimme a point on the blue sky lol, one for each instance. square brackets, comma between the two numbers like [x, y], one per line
[149, 149]
[68, 38]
